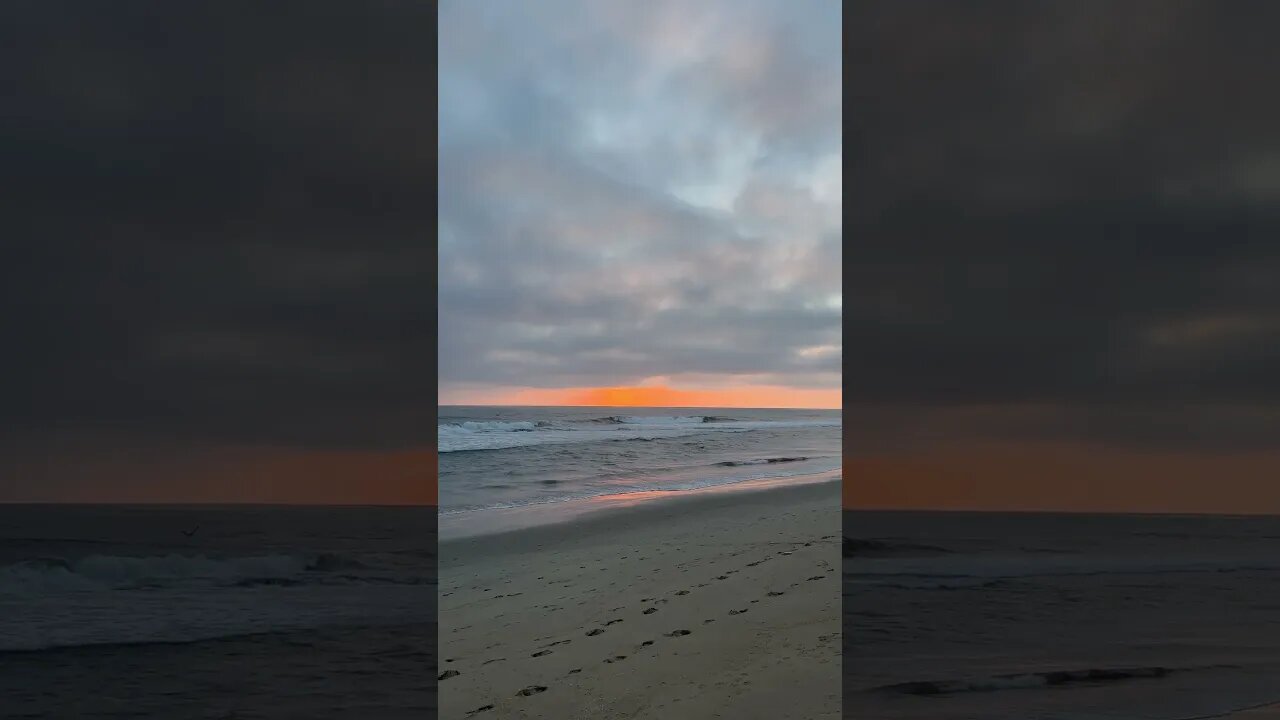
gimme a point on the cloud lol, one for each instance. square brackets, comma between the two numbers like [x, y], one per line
[216, 228]
[635, 191]
[1070, 208]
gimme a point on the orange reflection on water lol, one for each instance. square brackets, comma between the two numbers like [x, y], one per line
[631, 499]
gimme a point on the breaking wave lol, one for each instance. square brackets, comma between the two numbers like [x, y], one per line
[761, 461]
[474, 426]
[664, 420]
[39, 576]
[1015, 681]
[478, 435]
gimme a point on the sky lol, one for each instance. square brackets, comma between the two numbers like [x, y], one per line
[1063, 262]
[640, 203]
[218, 266]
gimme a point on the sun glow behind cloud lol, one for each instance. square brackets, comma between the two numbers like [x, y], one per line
[640, 191]
[743, 396]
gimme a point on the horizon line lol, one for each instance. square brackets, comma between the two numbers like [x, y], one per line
[651, 407]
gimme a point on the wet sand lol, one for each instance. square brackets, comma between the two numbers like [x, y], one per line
[721, 605]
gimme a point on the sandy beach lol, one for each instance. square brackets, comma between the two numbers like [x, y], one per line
[720, 605]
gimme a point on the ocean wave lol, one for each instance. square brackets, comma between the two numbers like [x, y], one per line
[855, 547]
[104, 572]
[291, 635]
[1016, 681]
[474, 436]
[761, 461]
[882, 570]
[661, 419]
[691, 486]
[474, 426]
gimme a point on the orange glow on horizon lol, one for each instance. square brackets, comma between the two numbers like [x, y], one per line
[1064, 477]
[747, 396]
[93, 473]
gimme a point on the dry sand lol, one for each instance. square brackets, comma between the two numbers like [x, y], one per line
[725, 605]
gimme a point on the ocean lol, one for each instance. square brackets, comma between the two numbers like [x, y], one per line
[1058, 616]
[217, 611]
[504, 467]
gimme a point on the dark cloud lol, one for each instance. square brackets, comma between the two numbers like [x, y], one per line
[218, 221]
[637, 191]
[1068, 207]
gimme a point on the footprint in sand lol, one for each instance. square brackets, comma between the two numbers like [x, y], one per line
[482, 708]
[682, 592]
[448, 674]
[486, 662]
[737, 612]
[678, 633]
[650, 611]
[646, 643]
[816, 577]
[597, 631]
[722, 577]
[615, 620]
[710, 620]
[531, 690]
[575, 670]
[540, 654]
[777, 593]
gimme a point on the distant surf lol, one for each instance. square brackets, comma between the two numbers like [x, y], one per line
[493, 434]
[508, 458]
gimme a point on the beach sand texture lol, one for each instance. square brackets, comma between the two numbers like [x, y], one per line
[720, 606]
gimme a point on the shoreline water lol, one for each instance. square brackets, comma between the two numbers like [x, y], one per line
[195, 611]
[498, 521]
[1159, 617]
[705, 603]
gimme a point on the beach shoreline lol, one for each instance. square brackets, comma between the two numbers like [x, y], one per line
[712, 604]
[550, 520]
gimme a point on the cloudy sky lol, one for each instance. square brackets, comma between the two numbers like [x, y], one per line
[640, 195]
[1064, 258]
[217, 262]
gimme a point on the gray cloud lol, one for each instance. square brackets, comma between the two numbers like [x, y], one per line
[1071, 207]
[215, 225]
[630, 191]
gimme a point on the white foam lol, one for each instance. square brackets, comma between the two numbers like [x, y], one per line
[660, 419]
[456, 437]
[474, 426]
[101, 572]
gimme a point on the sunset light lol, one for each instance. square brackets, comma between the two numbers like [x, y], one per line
[745, 396]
